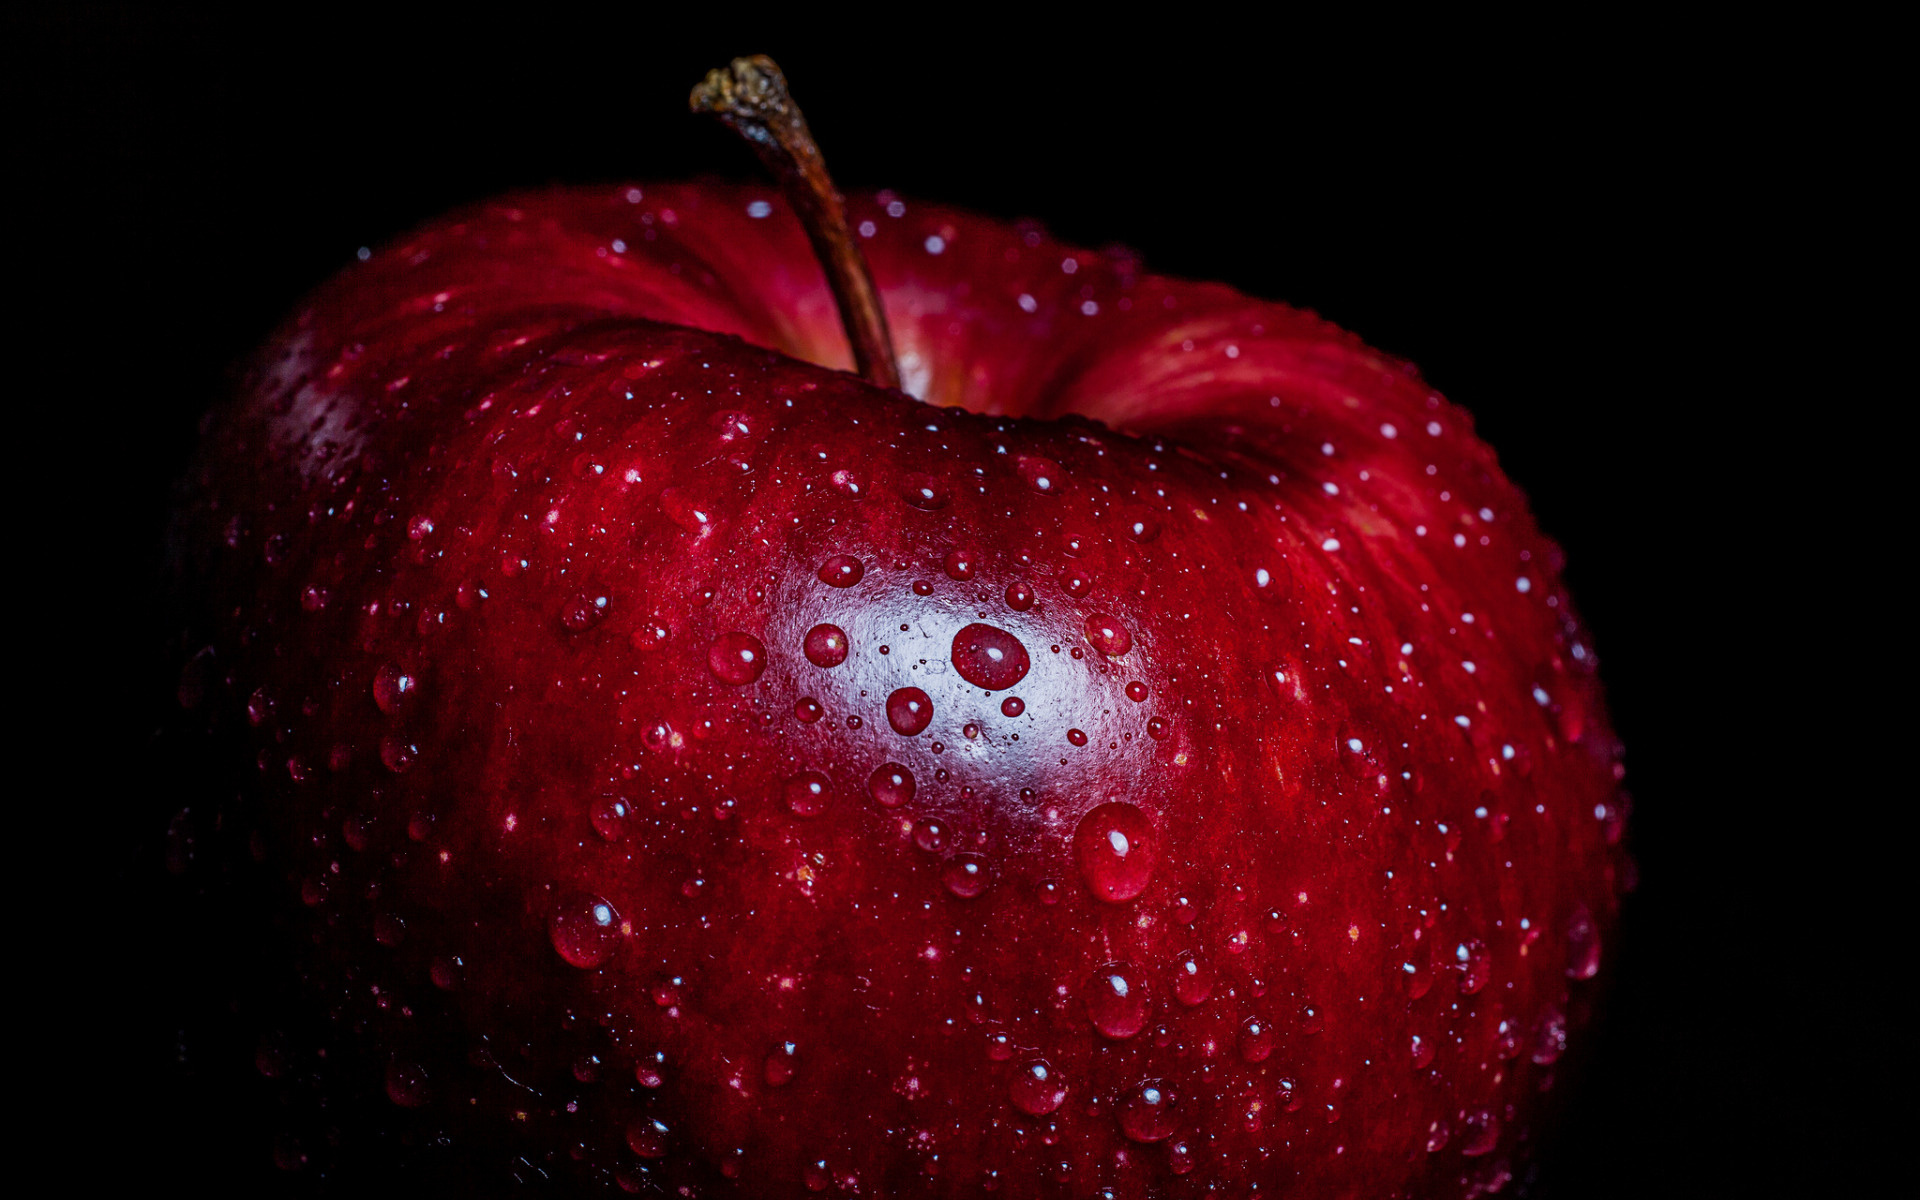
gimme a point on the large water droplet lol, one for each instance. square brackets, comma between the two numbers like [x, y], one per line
[842, 571]
[1549, 1037]
[610, 817]
[931, 835]
[394, 689]
[1136, 691]
[1422, 1051]
[1479, 1133]
[924, 492]
[966, 875]
[647, 1137]
[1146, 1111]
[1475, 964]
[989, 658]
[1019, 596]
[1583, 945]
[406, 1083]
[1037, 1088]
[398, 754]
[1076, 582]
[1117, 1002]
[584, 929]
[909, 710]
[960, 564]
[1192, 979]
[686, 512]
[582, 612]
[780, 1065]
[806, 794]
[1116, 849]
[1042, 474]
[1256, 1040]
[825, 645]
[1013, 706]
[736, 658]
[1107, 635]
[1143, 529]
[891, 785]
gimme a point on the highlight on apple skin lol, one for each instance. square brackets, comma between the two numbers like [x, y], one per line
[1157, 754]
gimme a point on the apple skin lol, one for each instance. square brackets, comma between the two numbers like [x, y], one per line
[592, 856]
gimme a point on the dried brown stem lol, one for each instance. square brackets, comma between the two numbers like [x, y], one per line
[751, 96]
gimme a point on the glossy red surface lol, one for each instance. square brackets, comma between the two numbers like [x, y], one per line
[810, 761]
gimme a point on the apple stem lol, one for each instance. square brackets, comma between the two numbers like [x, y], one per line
[751, 97]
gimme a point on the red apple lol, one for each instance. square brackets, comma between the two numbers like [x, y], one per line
[1155, 754]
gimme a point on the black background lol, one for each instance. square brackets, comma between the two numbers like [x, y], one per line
[1611, 243]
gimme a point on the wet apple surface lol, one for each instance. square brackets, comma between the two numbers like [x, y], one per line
[1157, 753]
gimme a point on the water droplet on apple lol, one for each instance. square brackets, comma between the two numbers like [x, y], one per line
[891, 785]
[1117, 1002]
[582, 612]
[808, 710]
[1076, 582]
[1418, 974]
[1422, 1050]
[960, 564]
[647, 1137]
[1143, 529]
[1013, 706]
[1147, 1111]
[1019, 596]
[398, 754]
[1042, 474]
[780, 1065]
[924, 492]
[1192, 980]
[406, 1083]
[909, 710]
[806, 794]
[966, 875]
[1549, 1037]
[1583, 945]
[825, 645]
[1115, 847]
[1437, 1134]
[1475, 964]
[389, 930]
[1037, 1088]
[1479, 1133]
[584, 929]
[736, 658]
[686, 512]
[1256, 1040]
[1136, 691]
[850, 483]
[931, 835]
[1180, 1158]
[1107, 635]
[842, 571]
[609, 818]
[393, 689]
[1157, 727]
[989, 658]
